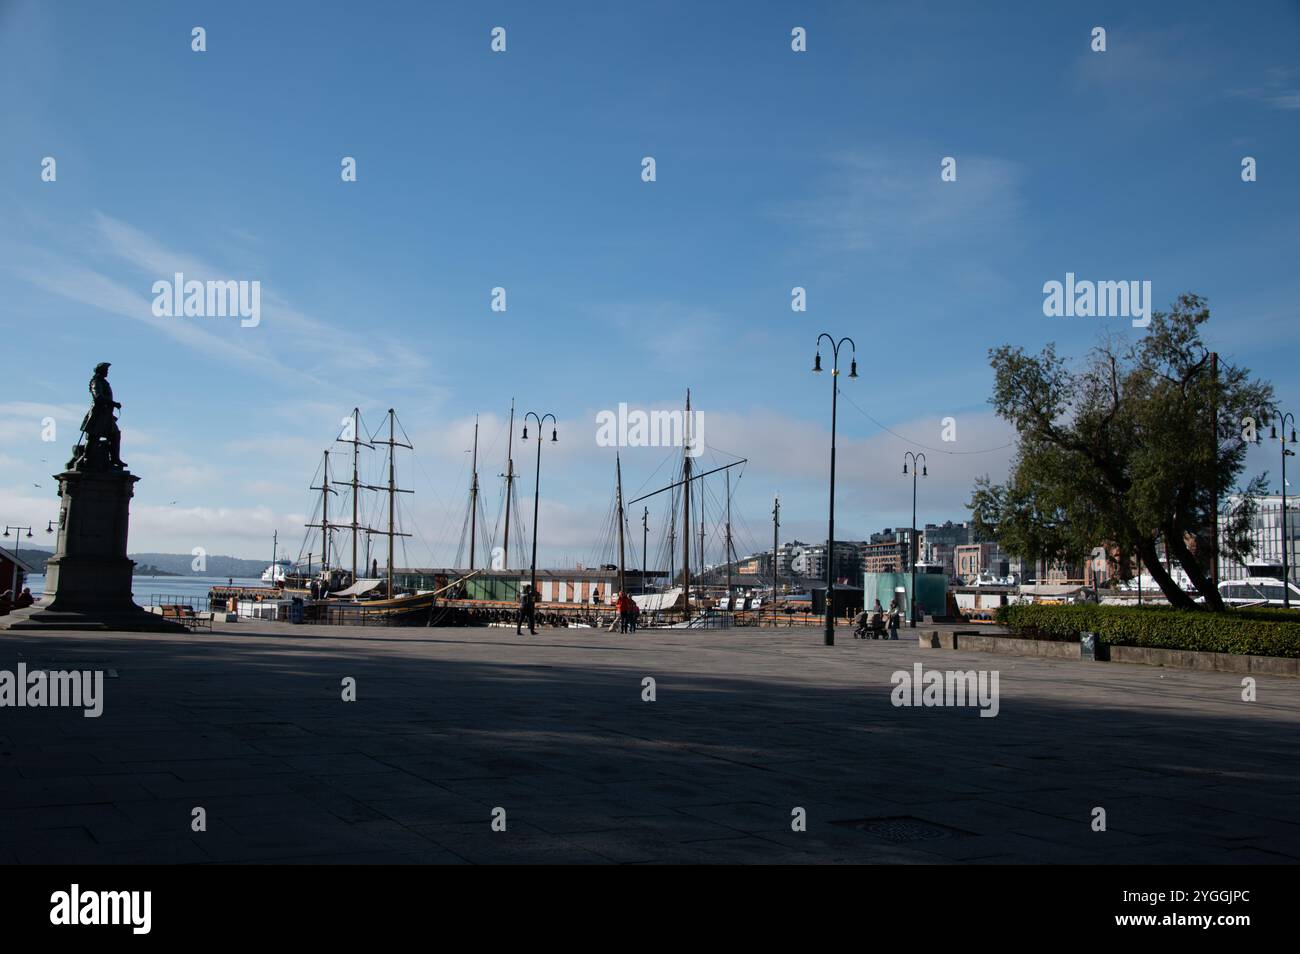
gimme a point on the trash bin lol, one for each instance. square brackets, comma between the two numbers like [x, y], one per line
[296, 610]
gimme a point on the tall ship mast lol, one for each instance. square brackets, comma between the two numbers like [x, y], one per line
[473, 499]
[393, 490]
[325, 526]
[690, 484]
[355, 483]
[510, 480]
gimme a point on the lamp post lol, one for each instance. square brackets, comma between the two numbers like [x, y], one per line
[918, 460]
[830, 524]
[1286, 561]
[537, 483]
[18, 536]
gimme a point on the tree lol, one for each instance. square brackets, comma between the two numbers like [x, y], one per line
[1023, 521]
[1138, 444]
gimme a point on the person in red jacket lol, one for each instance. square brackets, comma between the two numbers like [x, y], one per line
[624, 606]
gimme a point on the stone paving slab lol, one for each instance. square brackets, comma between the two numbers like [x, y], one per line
[449, 724]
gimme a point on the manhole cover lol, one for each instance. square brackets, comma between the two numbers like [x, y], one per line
[902, 829]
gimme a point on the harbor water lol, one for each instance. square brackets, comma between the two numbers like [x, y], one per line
[148, 590]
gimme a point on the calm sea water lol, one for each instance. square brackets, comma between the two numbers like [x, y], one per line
[186, 589]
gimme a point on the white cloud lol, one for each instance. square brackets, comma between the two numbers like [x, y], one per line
[325, 355]
[874, 202]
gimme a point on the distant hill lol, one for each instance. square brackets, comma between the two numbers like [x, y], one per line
[182, 564]
[179, 564]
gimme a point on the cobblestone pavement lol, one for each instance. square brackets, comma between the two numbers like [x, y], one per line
[746, 726]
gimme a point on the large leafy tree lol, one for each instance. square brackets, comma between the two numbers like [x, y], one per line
[1138, 444]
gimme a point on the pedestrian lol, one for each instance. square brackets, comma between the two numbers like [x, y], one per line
[624, 606]
[24, 599]
[527, 611]
[635, 615]
[895, 617]
[877, 621]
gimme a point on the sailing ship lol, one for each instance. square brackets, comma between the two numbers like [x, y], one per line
[339, 580]
[685, 604]
[341, 590]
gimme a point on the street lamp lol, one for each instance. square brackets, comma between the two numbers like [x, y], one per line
[18, 536]
[830, 528]
[537, 482]
[918, 460]
[1286, 563]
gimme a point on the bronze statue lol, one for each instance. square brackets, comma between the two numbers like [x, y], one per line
[101, 449]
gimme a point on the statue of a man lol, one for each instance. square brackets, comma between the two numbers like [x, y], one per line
[99, 422]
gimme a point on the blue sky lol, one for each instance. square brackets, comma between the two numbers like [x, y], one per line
[523, 170]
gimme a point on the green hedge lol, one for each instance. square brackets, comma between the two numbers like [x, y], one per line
[1268, 613]
[1254, 633]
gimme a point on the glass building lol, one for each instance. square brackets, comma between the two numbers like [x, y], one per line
[1268, 537]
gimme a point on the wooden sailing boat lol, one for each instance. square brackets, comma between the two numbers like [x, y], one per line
[360, 599]
[687, 604]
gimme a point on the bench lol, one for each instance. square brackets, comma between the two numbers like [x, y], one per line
[185, 615]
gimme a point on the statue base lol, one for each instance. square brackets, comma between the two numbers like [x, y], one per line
[88, 580]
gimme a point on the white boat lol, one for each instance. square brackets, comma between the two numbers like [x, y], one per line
[277, 571]
[1262, 586]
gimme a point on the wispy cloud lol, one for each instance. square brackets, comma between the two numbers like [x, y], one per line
[870, 201]
[1280, 89]
[327, 347]
[79, 268]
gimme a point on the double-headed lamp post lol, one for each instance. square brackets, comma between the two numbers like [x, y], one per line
[18, 536]
[918, 463]
[830, 528]
[537, 482]
[1286, 559]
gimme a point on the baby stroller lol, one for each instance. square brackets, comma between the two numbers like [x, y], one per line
[869, 626]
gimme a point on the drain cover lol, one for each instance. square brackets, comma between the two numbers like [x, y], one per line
[902, 828]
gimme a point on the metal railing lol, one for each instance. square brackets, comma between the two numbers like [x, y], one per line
[197, 603]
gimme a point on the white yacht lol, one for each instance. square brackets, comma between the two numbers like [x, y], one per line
[1262, 586]
[277, 571]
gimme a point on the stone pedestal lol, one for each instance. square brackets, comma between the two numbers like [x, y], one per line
[88, 580]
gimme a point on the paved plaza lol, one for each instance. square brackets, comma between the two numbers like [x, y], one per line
[249, 724]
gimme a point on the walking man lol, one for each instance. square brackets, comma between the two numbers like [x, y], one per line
[527, 611]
